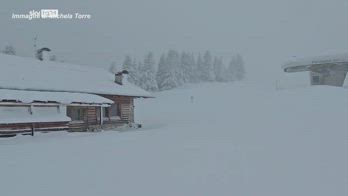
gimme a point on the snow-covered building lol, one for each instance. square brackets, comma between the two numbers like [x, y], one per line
[45, 96]
[324, 70]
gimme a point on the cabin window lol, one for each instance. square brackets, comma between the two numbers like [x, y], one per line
[106, 112]
[76, 113]
[80, 114]
[115, 109]
[112, 113]
[315, 79]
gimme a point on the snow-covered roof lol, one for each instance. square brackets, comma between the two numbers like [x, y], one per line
[303, 64]
[31, 74]
[25, 96]
[20, 114]
[25, 117]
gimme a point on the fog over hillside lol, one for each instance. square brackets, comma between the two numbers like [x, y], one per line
[266, 33]
[173, 97]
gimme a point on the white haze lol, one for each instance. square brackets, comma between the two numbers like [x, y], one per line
[267, 33]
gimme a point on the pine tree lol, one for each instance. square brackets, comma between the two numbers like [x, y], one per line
[9, 49]
[240, 68]
[231, 71]
[173, 61]
[208, 73]
[167, 74]
[236, 68]
[193, 69]
[147, 78]
[220, 71]
[187, 67]
[208, 64]
[199, 71]
[162, 71]
[133, 71]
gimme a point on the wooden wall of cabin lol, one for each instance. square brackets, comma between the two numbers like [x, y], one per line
[28, 127]
[82, 117]
[93, 115]
[126, 106]
[32, 114]
[90, 115]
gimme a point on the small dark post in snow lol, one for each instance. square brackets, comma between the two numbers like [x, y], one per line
[32, 129]
[277, 85]
[192, 99]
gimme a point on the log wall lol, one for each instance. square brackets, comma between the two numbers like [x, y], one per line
[89, 121]
[29, 127]
[90, 118]
[126, 106]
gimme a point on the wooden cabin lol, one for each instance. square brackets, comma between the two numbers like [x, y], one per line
[23, 111]
[77, 98]
[17, 117]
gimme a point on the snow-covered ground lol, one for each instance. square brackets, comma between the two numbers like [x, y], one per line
[232, 139]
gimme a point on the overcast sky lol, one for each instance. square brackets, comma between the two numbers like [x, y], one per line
[266, 32]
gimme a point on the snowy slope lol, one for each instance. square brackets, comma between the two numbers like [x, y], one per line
[234, 139]
[31, 74]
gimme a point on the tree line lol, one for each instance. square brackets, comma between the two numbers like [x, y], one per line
[175, 69]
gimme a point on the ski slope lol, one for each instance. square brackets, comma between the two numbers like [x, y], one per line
[230, 139]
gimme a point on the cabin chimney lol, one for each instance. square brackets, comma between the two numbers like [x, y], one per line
[43, 54]
[119, 76]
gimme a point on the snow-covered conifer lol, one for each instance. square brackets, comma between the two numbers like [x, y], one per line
[174, 63]
[236, 68]
[9, 49]
[205, 67]
[168, 75]
[147, 73]
[186, 67]
[220, 70]
[193, 68]
[131, 66]
[199, 71]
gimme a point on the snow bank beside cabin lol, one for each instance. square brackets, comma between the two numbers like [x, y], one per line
[31, 74]
[232, 139]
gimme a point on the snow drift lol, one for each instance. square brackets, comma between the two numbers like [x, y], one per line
[20, 73]
[231, 139]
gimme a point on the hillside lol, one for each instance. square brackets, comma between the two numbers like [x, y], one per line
[228, 139]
